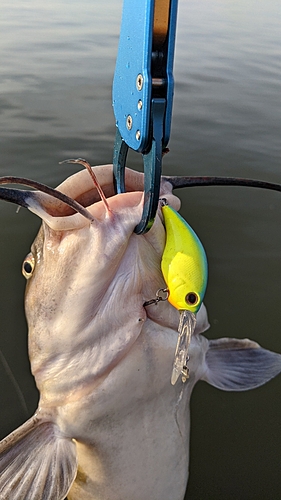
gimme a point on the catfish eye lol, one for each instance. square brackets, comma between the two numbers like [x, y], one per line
[192, 299]
[28, 266]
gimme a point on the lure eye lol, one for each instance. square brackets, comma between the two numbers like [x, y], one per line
[192, 299]
[28, 266]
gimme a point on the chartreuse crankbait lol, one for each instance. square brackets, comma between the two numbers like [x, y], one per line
[185, 270]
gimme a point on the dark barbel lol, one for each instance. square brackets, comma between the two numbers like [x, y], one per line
[193, 181]
[19, 196]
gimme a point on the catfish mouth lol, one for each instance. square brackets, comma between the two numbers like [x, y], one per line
[78, 192]
[81, 188]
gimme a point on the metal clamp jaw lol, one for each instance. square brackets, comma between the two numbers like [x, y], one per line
[143, 88]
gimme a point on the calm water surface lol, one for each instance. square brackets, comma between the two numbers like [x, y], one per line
[57, 63]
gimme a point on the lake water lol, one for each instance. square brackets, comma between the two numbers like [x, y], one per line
[57, 63]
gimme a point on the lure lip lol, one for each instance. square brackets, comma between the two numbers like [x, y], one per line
[186, 329]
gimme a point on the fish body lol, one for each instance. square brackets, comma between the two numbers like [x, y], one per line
[109, 424]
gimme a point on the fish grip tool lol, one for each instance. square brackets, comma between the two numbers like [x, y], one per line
[142, 94]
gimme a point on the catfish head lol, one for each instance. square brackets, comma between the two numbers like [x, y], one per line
[83, 275]
[109, 423]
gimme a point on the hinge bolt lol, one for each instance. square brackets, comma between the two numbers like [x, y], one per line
[139, 82]
[129, 122]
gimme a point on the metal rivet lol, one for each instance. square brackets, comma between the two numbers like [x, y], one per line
[129, 122]
[139, 105]
[139, 82]
[138, 134]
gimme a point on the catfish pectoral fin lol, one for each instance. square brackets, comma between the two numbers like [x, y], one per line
[239, 364]
[37, 461]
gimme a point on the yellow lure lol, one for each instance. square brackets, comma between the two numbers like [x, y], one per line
[184, 263]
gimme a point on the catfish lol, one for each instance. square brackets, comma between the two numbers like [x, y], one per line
[109, 423]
